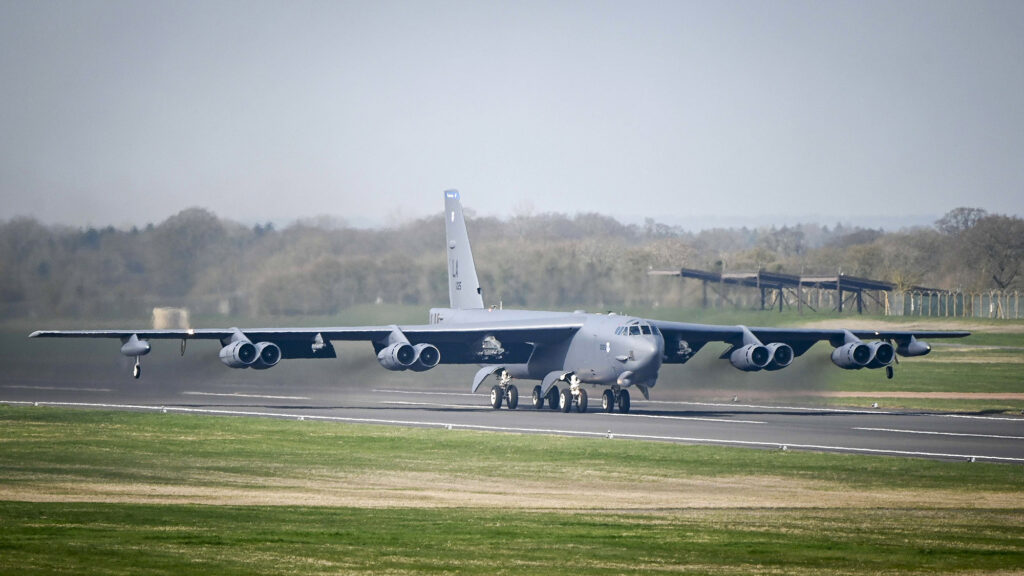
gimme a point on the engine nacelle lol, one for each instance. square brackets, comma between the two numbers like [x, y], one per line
[781, 355]
[750, 358]
[914, 348]
[398, 356]
[427, 356]
[882, 354]
[268, 355]
[238, 354]
[852, 356]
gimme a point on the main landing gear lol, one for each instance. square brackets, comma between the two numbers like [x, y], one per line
[562, 399]
[552, 398]
[504, 391]
[615, 396]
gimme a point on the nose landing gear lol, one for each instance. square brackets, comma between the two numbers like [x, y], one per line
[613, 396]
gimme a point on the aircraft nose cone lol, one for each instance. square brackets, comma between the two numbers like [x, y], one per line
[646, 355]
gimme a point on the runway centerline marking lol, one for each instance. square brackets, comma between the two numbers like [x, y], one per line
[240, 395]
[926, 432]
[452, 426]
[420, 392]
[761, 407]
[697, 418]
[436, 404]
[57, 388]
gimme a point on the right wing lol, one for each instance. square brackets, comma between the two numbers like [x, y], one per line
[458, 343]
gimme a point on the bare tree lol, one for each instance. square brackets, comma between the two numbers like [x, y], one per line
[959, 220]
[995, 247]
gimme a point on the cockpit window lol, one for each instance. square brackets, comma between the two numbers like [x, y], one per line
[637, 329]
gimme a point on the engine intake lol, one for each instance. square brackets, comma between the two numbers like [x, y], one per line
[239, 354]
[398, 356]
[268, 355]
[852, 356]
[427, 356]
[882, 354]
[751, 358]
[781, 355]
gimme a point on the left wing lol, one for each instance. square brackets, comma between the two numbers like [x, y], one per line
[773, 348]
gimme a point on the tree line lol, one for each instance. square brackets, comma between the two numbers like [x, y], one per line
[214, 265]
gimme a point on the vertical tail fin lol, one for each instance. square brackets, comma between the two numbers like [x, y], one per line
[463, 286]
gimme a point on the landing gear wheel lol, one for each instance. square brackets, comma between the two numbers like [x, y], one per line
[553, 397]
[496, 397]
[607, 401]
[137, 371]
[888, 372]
[624, 401]
[581, 402]
[512, 397]
[538, 400]
[565, 400]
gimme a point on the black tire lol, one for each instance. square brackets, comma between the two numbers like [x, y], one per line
[553, 397]
[624, 401]
[538, 400]
[565, 400]
[137, 371]
[581, 404]
[496, 397]
[512, 397]
[608, 401]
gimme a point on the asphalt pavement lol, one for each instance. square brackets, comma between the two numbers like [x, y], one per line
[399, 402]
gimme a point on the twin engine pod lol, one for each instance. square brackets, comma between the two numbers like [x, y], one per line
[754, 357]
[857, 355]
[245, 354]
[406, 356]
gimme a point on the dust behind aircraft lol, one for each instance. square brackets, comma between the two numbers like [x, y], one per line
[564, 351]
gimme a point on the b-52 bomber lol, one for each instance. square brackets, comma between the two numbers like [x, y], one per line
[564, 351]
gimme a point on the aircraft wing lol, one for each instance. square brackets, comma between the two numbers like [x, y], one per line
[459, 343]
[691, 337]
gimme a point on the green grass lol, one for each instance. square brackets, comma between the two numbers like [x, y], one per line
[934, 375]
[104, 446]
[142, 539]
[49, 450]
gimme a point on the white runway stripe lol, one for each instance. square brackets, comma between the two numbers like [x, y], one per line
[454, 426]
[240, 395]
[57, 388]
[897, 431]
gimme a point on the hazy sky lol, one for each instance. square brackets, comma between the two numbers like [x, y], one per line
[689, 112]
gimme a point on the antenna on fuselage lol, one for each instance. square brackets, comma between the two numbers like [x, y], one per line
[463, 286]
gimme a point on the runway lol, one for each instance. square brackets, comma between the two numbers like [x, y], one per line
[755, 425]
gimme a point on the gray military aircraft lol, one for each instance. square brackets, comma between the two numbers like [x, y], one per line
[562, 350]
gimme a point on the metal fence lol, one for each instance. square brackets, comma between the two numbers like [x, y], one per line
[995, 304]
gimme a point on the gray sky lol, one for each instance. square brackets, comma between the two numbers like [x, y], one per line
[689, 112]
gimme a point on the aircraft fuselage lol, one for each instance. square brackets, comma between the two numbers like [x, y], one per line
[608, 349]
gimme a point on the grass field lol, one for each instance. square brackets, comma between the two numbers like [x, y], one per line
[131, 493]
